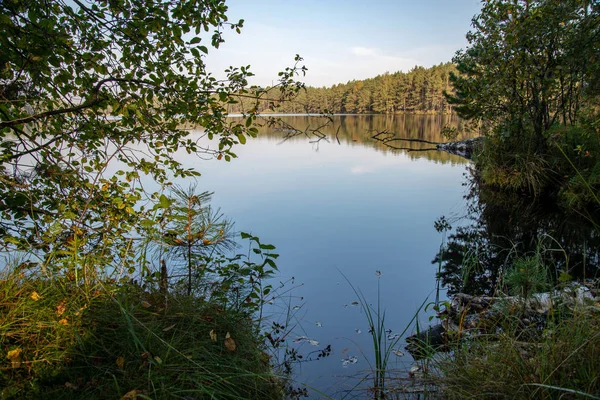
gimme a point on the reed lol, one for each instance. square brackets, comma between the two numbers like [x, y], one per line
[382, 345]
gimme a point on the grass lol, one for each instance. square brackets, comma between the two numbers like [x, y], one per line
[521, 358]
[117, 340]
[382, 346]
[562, 363]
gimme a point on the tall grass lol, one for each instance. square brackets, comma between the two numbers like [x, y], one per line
[562, 363]
[60, 341]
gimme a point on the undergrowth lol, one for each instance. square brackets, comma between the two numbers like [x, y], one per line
[120, 341]
[563, 363]
[566, 167]
[546, 350]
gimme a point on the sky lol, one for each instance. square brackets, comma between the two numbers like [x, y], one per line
[342, 40]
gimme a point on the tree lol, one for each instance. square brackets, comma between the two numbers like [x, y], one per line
[87, 83]
[527, 66]
[191, 234]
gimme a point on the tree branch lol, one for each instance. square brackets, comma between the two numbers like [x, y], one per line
[95, 100]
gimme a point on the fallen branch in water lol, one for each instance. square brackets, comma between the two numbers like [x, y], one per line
[462, 148]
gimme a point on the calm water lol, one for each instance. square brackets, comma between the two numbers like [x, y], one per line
[351, 208]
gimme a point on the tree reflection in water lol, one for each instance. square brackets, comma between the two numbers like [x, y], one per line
[501, 227]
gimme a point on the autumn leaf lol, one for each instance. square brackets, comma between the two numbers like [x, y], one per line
[63, 322]
[229, 342]
[35, 296]
[145, 304]
[168, 328]
[120, 362]
[131, 395]
[213, 335]
[61, 307]
[15, 357]
[81, 309]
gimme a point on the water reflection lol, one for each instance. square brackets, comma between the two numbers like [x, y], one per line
[501, 227]
[353, 130]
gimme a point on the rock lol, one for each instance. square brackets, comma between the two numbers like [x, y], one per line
[463, 148]
[421, 344]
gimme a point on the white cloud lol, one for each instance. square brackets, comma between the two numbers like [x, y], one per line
[365, 51]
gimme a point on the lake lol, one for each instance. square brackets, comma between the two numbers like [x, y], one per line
[343, 207]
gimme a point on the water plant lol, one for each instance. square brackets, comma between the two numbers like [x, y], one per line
[383, 344]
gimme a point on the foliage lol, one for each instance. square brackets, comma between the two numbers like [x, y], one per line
[96, 100]
[87, 87]
[528, 63]
[199, 245]
[502, 227]
[530, 76]
[189, 232]
[527, 276]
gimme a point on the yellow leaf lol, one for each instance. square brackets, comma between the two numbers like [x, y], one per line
[120, 362]
[61, 307]
[158, 360]
[131, 395]
[206, 242]
[81, 309]
[63, 321]
[213, 335]
[35, 296]
[15, 357]
[230, 343]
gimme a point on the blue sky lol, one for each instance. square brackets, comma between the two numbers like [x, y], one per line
[343, 40]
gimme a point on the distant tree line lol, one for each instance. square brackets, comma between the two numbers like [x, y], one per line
[420, 90]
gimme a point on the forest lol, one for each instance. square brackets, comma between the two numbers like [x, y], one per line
[421, 90]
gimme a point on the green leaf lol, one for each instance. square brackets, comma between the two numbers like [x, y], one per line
[164, 201]
[147, 223]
